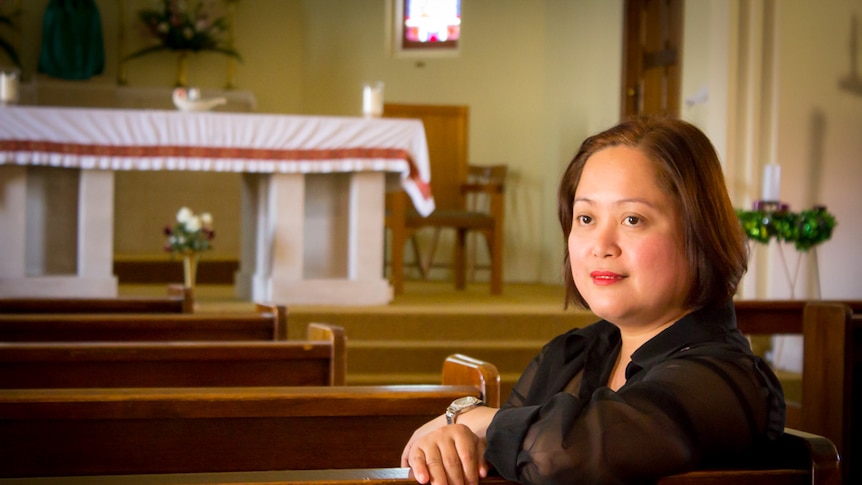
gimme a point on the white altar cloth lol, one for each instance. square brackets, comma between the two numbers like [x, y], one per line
[111, 139]
[275, 153]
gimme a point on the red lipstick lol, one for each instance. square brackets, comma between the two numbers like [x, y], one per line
[603, 278]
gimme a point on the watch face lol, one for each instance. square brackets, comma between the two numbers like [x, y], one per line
[463, 402]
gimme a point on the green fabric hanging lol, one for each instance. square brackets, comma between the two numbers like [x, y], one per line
[72, 44]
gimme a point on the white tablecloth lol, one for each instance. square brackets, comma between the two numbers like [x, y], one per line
[113, 139]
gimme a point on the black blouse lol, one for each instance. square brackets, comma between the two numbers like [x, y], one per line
[694, 396]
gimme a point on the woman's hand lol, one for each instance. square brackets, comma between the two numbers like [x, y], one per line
[445, 454]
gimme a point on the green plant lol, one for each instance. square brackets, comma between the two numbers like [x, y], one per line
[7, 23]
[185, 25]
[804, 229]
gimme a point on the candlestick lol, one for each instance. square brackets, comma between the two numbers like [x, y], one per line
[771, 182]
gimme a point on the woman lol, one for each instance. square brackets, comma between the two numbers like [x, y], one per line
[665, 382]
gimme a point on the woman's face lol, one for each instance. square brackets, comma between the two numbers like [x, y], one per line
[626, 244]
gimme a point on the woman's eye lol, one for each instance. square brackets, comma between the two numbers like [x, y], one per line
[585, 219]
[633, 220]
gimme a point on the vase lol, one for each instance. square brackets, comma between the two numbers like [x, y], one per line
[182, 69]
[190, 269]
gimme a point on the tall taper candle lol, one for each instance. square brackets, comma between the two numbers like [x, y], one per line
[771, 182]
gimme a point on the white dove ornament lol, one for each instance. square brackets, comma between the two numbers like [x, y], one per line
[190, 100]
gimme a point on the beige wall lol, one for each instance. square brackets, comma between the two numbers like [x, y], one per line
[539, 76]
[820, 132]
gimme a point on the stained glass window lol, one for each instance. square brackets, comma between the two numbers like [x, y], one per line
[430, 24]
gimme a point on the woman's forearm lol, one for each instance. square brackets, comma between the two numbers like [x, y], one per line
[478, 419]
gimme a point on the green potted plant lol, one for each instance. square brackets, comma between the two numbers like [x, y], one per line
[7, 24]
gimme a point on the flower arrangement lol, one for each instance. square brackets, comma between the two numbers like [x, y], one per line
[185, 25]
[191, 234]
[804, 229]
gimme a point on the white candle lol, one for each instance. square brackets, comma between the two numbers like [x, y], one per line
[8, 87]
[372, 99]
[771, 183]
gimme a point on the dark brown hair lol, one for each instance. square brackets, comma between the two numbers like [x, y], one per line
[688, 169]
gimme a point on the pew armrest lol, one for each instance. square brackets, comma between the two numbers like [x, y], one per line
[459, 369]
[335, 335]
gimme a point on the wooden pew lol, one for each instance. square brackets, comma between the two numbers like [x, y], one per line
[802, 459]
[780, 317]
[60, 432]
[830, 335]
[268, 322]
[775, 317]
[178, 300]
[832, 382]
[320, 361]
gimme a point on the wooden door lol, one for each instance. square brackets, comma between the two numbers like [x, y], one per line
[652, 57]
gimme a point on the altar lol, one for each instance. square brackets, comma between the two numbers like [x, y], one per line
[312, 198]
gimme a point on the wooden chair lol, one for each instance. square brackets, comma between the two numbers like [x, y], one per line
[268, 322]
[176, 364]
[453, 179]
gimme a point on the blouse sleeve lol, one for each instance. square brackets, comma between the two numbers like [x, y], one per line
[682, 413]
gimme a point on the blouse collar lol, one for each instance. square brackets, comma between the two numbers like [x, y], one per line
[700, 326]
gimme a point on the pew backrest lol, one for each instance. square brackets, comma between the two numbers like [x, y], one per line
[179, 299]
[56, 432]
[268, 322]
[777, 317]
[832, 367]
[174, 364]
[831, 337]
[169, 304]
[808, 460]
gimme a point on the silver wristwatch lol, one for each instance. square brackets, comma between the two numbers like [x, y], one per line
[461, 405]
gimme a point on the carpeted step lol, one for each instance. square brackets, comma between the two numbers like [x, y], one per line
[443, 326]
[410, 357]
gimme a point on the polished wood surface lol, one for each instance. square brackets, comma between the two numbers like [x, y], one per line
[832, 366]
[760, 317]
[805, 460]
[178, 300]
[57, 432]
[269, 322]
[32, 365]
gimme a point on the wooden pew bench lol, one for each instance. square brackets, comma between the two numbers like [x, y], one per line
[798, 459]
[60, 432]
[830, 333]
[832, 382]
[178, 300]
[762, 318]
[319, 360]
[268, 322]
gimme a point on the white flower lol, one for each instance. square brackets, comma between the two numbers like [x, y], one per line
[193, 224]
[184, 214]
[207, 219]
